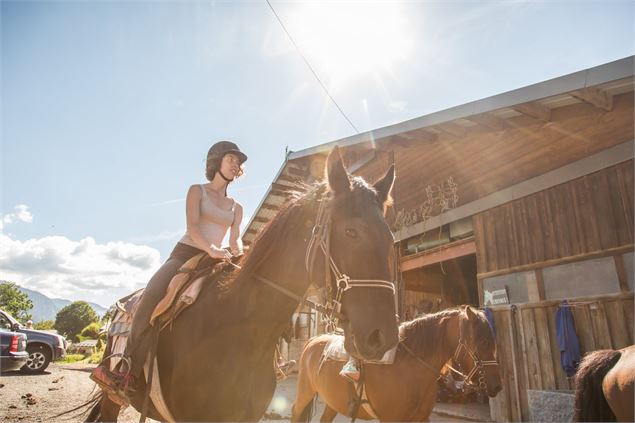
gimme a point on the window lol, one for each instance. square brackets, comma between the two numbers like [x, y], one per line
[519, 288]
[580, 279]
[4, 322]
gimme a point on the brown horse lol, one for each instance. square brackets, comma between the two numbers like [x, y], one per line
[605, 386]
[215, 363]
[407, 389]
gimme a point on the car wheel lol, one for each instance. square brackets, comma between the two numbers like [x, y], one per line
[39, 359]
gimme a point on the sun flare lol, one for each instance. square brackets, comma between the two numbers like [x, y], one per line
[351, 39]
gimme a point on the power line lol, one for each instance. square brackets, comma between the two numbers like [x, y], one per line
[311, 68]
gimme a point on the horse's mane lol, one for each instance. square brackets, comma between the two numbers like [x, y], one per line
[426, 334]
[286, 221]
[590, 402]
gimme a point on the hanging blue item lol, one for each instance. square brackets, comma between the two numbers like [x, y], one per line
[489, 315]
[567, 339]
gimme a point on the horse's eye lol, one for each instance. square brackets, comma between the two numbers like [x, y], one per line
[351, 233]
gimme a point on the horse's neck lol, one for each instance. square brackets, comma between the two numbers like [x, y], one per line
[442, 351]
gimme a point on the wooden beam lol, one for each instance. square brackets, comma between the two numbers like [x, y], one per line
[266, 206]
[282, 187]
[437, 255]
[452, 129]
[489, 121]
[595, 96]
[252, 231]
[261, 219]
[420, 135]
[279, 193]
[534, 110]
[296, 171]
[290, 179]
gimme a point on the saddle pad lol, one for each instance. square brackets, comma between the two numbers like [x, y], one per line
[120, 326]
[334, 350]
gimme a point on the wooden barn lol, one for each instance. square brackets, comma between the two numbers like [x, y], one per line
[515, 202]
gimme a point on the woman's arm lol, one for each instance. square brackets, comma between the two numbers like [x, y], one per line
[192, 216]
[235, 243]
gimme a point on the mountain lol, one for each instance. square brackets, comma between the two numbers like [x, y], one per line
[45, 308]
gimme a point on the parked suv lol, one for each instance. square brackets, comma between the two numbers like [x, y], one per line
[13, 353]
[43, 347]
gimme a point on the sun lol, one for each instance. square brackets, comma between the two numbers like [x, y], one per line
[346, 40]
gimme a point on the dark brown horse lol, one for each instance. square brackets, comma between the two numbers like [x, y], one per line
[407, 389]
[215, 363]
[605, 386]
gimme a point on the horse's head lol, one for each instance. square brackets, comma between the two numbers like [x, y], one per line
[362, 249]
[475, 355]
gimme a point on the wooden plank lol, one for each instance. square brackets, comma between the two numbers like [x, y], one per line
[267, 206]
[452, 129]
[595, 96]
[583, 328]
[290, 179]
[293, 171]
[601, 331]
[536, 229]
[490, 241]
[260, 219]
[617, 327]
[548, 227]
[598, 182]
[545, 361]
[621, 273]
[481, 249]
[625, 183]
[524, 378]
[627, 306]
[558, 213]
[619, 217]
[534, 110]
[488, 121]
[533, 365]
[512, 235]
[588, 214]
[511, 380]
[570, 219]
[443, 253]
[540, 282]
[526, 250]
[501, 237]
[500, 404]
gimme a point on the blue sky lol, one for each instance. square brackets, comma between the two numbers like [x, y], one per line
[108, 108]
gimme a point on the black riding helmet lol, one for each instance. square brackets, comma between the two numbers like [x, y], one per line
[226, 147]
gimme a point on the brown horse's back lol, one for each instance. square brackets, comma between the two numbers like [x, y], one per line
[619, 386]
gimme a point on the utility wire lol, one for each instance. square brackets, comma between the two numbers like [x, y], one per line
[311, 68]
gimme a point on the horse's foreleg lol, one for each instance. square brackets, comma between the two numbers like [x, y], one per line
[328, 415]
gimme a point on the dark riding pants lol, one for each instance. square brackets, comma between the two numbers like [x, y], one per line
[138, 342]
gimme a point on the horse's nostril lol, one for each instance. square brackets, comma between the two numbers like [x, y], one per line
[376, 339]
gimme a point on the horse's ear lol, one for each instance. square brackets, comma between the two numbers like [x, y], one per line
[384, 185]
[338, 178]
[469, 312]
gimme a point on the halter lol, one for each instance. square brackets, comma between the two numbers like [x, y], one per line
[478, 367]
[320, 240]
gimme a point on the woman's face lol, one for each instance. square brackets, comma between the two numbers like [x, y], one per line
[230, 166]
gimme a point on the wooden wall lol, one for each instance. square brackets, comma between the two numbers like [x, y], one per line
[486, 161]
[586, 215]
[528, 352]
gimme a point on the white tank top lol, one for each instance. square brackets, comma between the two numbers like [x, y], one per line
[213, 222]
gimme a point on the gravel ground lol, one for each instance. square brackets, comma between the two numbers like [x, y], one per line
[37, 398]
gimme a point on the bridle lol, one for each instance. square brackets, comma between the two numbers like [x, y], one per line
[320, 240]
[462, 348]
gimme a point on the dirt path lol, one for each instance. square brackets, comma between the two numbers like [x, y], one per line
[37, 398]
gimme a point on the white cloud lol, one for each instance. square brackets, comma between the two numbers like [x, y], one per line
[21, 214]
[63, 268]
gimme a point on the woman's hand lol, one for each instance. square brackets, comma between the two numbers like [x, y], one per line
[219, 253]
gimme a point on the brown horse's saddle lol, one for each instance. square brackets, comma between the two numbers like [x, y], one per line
[184, 288]
[335, 351]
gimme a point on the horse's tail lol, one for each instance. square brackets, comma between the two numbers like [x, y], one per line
[590, 402]
[307, 413]
[91, 408]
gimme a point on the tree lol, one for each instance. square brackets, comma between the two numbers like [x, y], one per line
[44, 325]
[14, 301]
[91, 331]
[74, 317]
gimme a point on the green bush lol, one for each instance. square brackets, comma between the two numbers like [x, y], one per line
[72, 358]
[44, 325]
[91, 331]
